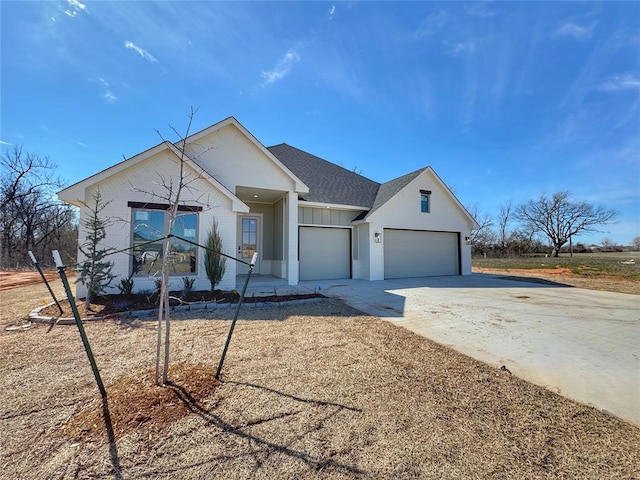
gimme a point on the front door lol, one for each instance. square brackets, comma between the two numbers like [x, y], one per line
[249, 239]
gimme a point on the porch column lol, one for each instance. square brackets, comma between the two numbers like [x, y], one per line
[292, 238]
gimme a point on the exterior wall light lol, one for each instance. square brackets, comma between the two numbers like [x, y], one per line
[377, 237]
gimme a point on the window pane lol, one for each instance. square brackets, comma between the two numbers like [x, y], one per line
[183, 254]
[147, 225]
[182, 258]
[249, 237]
[424, 203]
[186, 226]
[147, 260]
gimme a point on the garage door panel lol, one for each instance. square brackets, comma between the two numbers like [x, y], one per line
[413, 253]
[325, 253]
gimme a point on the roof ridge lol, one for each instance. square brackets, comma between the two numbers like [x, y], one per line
[327, 181]
[351, 172]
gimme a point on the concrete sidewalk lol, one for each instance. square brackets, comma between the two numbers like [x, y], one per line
[583, 344]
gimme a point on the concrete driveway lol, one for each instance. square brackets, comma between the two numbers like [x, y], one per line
[583, 344]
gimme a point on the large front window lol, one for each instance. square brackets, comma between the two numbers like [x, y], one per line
[149, 227]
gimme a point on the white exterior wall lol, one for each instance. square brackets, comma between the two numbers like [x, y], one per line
[235, 161]
[291, 221]
[135, 185]
[362, 266]
[403, 212]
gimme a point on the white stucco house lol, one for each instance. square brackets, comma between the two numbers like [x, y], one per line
[307, 218]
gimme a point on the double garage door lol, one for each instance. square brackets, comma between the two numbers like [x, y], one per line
[325, 253]
[414, 253]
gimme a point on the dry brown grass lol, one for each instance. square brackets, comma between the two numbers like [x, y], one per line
[316, 390]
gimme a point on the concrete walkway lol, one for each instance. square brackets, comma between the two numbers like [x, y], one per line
[583, 344]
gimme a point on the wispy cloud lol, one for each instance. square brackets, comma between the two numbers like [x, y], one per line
[142, 52]
[460, 48]
[431, 25]
[107, 94]
[282, 68]
[332, 11]
[5, 143]
[617, 83]
[480, 10]
[74, 7]
[581, 33]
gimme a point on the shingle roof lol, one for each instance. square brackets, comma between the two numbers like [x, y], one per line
[327, 182]
[330, 183]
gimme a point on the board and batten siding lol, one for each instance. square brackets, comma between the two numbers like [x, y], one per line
[326, 216]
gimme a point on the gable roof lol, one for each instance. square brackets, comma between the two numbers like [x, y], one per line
[330, 183]
[388, 189]
[73, 193]
[327, 182]
[391, 188]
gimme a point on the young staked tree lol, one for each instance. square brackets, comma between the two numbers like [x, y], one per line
[214, 263]
[171, 188]
[560, 218]
[95, 270]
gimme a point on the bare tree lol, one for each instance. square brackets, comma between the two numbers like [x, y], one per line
[504, 217]
[559, 218]
[483, 237]
[607, 243]
[31, 218]
[635, 243]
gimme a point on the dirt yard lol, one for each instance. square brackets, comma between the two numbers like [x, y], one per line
[13, 279]
[567, 277]
[313, 390]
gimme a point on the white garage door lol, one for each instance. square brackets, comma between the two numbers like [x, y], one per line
[412, 253]
[325, 253]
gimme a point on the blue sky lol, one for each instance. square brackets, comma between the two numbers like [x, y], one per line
[506, 101]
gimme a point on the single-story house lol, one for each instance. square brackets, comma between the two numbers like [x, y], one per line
[308, 219]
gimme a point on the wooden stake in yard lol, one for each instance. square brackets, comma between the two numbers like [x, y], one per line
[76, 315]
[235, 316]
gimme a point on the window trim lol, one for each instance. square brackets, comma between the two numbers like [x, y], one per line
[162, 206]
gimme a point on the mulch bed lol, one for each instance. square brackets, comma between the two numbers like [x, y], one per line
[136, 400]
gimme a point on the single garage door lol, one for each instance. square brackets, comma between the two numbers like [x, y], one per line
[325, 253]
[414, 253]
